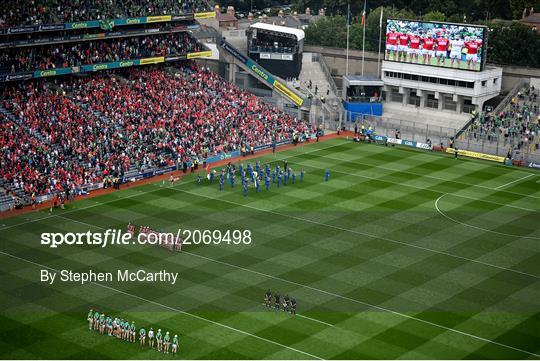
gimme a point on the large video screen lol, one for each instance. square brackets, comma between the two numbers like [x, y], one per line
[458, 46]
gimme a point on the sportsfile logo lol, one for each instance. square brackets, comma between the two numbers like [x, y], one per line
[114, 237]
[148, 236]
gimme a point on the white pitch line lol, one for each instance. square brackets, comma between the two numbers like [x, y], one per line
[142, 192]
[434, 177]
[174, 309]
[514, 181]
[374, 236]
[475, 227]
[307, 287]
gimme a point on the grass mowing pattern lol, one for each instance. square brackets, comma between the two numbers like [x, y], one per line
[367, 252]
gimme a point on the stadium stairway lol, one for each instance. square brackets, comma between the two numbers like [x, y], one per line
[312, 70]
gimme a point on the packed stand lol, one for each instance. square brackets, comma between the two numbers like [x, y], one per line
[25, 12]
[58, 146]
[75, 54]
[105, 126]
[518, 123]
[196, 113]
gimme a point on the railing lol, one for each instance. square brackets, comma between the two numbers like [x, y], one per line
[364, 99]
[515, 89]
[328, 74]
[273, 49]
[524, 150]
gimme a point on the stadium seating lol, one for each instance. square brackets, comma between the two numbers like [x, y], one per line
[18, 13]
[517, 124]
[91, 52]
[105, 125]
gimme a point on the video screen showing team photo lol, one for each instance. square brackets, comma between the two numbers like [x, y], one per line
[458, 46]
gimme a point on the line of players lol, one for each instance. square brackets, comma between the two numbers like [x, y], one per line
[255, 176]
[127, 331]
[286, 304]
[443, 46]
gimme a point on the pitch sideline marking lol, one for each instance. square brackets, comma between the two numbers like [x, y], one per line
[173, 309]
[425, 188]
[288, 157]
[381, 308]
[514, 181]
[438, 178]
[472, 226]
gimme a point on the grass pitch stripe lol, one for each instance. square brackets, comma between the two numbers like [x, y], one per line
[174, 309]
[359, 233]
[404, 315]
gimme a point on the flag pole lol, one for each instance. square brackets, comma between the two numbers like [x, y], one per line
[363, 35]
[380, 40]
[347, 53]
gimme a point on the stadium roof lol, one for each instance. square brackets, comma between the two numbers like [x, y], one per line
[280, 29]
[363, 80]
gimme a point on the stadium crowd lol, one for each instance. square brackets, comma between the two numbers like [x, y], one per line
[26, 12]
[104, 126]
[92, 52]
[518, 123]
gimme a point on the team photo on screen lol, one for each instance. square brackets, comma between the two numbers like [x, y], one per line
[437, 44]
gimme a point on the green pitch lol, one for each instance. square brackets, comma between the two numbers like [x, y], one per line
[401, 254]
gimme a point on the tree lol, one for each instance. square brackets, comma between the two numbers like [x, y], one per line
[328, 31]
[514, 44]
[434, 16]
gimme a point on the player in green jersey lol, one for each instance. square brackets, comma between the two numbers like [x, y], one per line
[126, 330]
[133, 331]
[142, 336]
[167, 341]
[109, 325]
[102, 323]
[174, 343]
[159, 340]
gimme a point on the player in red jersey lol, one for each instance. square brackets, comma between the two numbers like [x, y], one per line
[414, 47]
[472, 45]
[427, 48]
[442, 48]
[403, 46]
[391, 43]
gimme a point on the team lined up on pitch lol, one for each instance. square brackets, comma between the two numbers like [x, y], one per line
[126, 331]
[254, 176]
[284, 303]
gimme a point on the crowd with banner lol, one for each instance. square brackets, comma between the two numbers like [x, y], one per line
[48, 57]
[53, 142]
